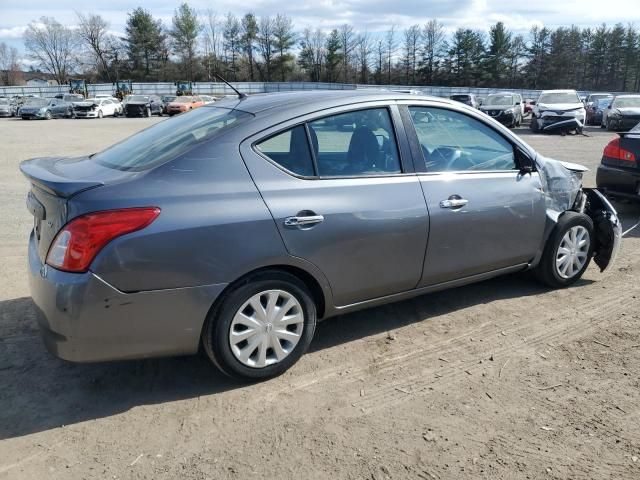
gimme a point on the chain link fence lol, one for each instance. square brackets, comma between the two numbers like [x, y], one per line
[218, 88]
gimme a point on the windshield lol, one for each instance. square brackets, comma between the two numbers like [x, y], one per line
[138, 98]
[169, 139]
[627, 102]
[559, 97]
[169, 98]
[500, 100]
[36, 102]
[603, 103]
[598, 96]
[183, 99]
[4, 101]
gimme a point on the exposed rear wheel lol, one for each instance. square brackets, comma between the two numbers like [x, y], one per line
[261, 327]
[568, 251]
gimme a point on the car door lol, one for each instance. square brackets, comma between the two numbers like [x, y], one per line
[350, 204]
[485, 213]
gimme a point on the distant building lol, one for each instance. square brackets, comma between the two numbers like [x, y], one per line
[40, 82]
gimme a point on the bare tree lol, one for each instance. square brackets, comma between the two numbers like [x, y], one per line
[232, 43]
[434, 43]
[212, 33]
[410, 59]
[347, 45]
[93, 33]
[363, 55]
[52, 45]
[266, 41]
[9, 66]
[390, 49]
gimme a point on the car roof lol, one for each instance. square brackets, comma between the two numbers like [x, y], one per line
[314, 100]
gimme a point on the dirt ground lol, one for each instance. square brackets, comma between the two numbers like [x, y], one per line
[499, 380]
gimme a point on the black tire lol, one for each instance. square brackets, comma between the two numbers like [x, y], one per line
[100, 115]
[47, 115]
[534, 124]
[215, 333]
[147, 113]
[609, 127]
[546, 271]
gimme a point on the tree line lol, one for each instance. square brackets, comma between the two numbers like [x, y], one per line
[198, 45]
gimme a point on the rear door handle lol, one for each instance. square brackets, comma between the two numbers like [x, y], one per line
[454, 201]
[303, 221]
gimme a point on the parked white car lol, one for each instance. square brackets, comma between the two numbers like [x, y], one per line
[97, 108]
[558, 110]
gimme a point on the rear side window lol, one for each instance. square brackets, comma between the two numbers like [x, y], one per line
[359, 143]
[169, 139]
[452, 141]
[290, 150]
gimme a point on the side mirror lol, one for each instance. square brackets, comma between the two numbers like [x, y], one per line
[526, 163]
[609, 107]
[517, 103]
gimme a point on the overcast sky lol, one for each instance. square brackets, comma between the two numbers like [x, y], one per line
[371, 15]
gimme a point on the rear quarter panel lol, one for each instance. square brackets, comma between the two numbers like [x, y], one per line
[213, 227]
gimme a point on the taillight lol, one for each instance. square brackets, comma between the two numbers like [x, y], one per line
[77, 244]
[613, 150]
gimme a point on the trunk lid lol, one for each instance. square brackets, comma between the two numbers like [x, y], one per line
[54, 183]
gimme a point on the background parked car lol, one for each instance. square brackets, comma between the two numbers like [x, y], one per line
[596, 110]
[594, 97]
[184, 104]
[95, 108]
[466, 98]
[36, 108]
[619, 171]
[143, 106]
[166, 99]
[506, 108]
[118, 103]
[558, 110]
[207, 99]
[62, 109]
[623, 113]
[6, 108]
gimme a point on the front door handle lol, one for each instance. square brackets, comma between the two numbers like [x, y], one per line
[303, 221]
[454, 201]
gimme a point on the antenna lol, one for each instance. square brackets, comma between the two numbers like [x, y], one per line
[240, 94]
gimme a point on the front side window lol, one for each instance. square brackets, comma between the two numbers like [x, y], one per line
[290, 150]
[452, 141]
[359, 143]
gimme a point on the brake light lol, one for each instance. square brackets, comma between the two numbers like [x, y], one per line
[77, 244]
[613, 150]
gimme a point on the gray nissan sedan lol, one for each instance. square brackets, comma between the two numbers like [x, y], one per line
[235, 227]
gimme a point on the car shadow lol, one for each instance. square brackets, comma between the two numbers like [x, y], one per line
[40, 392]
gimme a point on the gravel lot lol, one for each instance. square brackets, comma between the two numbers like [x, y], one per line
[498, 380]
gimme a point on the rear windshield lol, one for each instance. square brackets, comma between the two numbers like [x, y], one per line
[138, 98]
[627, 102]
[559, 97]
[169, 139]
[500, 100]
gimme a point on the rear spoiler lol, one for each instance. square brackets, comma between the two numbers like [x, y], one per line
[42, 173]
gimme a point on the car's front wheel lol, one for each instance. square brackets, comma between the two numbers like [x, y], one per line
[568, 251]
[261, 327]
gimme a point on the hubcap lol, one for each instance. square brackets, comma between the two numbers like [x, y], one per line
[572, 252]
[266, 328]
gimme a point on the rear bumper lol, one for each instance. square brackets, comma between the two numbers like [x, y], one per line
[617, 181]
[84, 319]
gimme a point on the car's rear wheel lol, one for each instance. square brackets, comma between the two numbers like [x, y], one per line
[100, 114]
[261, 327]
[568, 251]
